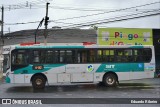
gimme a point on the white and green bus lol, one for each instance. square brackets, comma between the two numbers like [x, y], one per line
[77, 64]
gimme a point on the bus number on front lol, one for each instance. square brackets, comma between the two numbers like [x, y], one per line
[38, 67]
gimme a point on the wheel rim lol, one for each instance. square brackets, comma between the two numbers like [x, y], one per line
[110, 80]
[38, 81]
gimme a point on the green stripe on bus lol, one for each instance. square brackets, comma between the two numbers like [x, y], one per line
[121, 67]
[30, 70]
[8, 80]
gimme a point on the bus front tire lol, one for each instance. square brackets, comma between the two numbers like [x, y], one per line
[110, 80]
[38, 82]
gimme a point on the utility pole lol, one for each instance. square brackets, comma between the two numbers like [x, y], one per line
[46, 24]
[2, 21]
[1, 41]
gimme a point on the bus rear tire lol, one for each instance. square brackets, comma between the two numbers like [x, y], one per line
[38, 82]
[110, 80]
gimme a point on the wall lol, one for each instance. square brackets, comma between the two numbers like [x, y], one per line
[54, 36]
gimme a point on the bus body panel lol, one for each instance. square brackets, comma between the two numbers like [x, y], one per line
[137, 71]
[64, 78]
[19, 78]
[98, 77]
[140, 75]
[83, 72]
[82, 77]
[52, 78]
[27, 78]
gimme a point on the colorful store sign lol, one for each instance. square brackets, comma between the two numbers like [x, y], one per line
[124, 36]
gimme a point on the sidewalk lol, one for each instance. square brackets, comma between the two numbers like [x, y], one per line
[1, 75]
[1, 78]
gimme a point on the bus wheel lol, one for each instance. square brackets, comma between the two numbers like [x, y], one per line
[109, 80]
[38, 82]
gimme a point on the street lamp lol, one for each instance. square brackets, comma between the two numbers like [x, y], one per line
[40, 24]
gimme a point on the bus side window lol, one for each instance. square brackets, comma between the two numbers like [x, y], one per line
[56, 56]
[69, 57]
[105, 55]
[82, 56]
[111, 55]
[147, 55]
[119, 56]
[20, 57]
[49, 56]
[36, 57]
[62, 56]
[138, 56]
[92, 56]
[127, 55]
[79, 57]
[135, 55]
[99, 56]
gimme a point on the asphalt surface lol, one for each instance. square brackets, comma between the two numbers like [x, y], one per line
[145, 88]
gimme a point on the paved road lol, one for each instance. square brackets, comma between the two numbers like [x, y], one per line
[146, 88]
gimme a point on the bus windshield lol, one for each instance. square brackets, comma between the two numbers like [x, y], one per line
[6, 65]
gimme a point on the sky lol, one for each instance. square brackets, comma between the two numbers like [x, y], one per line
[67, 13]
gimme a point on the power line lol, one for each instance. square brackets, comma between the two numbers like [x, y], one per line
[36, 4]
[103, 10]
[117, 10]
[104, 19]
[22, 5]
[115, 20]
[76, 25]
[122, 16]
[119, 18]
[56, 22]
[22, 23]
